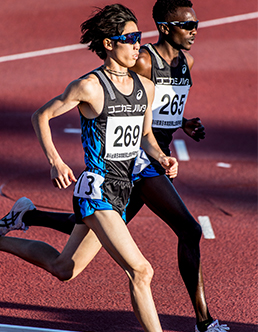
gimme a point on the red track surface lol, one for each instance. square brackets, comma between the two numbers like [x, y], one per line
[223, 96]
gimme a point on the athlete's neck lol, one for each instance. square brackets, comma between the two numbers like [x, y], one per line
[115, 72]
[168, 52]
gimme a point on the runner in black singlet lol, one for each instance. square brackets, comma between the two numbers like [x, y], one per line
[169, 68]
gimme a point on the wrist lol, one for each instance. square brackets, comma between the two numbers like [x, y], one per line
[161, 156]
[53, 161]
[184, 122]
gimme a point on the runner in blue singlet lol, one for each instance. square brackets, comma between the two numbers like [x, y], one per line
[115, 110]
[169, 68]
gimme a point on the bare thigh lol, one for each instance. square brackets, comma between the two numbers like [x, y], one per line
[116, 239]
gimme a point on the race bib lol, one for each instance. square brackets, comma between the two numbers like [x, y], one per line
[123, 137]
[168, 106]
[88, 185]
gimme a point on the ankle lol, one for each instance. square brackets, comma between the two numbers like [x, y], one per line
[202, 326]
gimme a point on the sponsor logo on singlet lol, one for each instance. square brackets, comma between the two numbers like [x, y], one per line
[172, 81]
[139, 94]
[184, 69]
[137, 108]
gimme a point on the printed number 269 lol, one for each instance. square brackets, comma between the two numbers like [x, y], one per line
[126, 136]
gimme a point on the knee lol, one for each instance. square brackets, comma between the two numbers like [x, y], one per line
[197, 232]
[193, 233]
[63, 270]
[143, 275]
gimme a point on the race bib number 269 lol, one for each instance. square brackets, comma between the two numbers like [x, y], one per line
[123, 137]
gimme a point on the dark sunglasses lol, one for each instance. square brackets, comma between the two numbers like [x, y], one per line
[128, 38]
[187, 25]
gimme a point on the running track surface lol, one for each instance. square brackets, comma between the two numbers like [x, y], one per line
[224, 96]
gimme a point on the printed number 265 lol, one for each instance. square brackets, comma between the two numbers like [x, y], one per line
[177, 104]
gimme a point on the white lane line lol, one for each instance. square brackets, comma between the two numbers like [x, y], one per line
[206, 227]
[72, 131]
[16, 328]
[181, 150]
[223, 165]
[47, 51]
[230, 19]
[148, 34]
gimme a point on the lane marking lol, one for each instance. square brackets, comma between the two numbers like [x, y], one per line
[230, 19]
[72, 130]
[206, 227]
[47, 51]
[16, 328]
[223, 165]
[148, 34]
[181, 149]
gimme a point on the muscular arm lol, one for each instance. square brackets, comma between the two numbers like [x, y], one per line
[77, 92]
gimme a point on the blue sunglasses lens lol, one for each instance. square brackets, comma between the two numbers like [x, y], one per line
[129, 38]
[132, 38]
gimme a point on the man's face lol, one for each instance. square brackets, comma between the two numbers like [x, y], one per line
[126, 53]
[178, 37]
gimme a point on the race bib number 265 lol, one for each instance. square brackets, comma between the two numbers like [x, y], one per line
[168, 106]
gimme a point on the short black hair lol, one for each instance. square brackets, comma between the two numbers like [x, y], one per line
[163, 8]
[107, 22]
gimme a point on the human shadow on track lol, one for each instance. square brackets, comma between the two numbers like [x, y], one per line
[98, 321]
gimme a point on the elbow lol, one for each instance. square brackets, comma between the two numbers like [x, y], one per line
[34, 118]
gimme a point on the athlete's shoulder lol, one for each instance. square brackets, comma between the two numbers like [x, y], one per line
[189, 59]
[144, 57]
[89, 83]
[143, 64]
[90, 94]
[89, 78]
